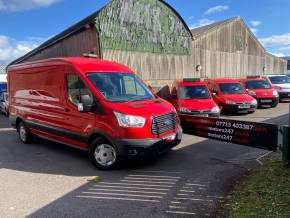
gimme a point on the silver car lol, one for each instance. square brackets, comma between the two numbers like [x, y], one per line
[281, 83]
[4, 103]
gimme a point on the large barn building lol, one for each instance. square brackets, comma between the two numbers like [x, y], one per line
[150, 37]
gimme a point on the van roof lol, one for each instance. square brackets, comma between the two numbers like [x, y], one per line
[189, 83]
[84, 65]
[225, 80]
[251, 79]
[272, 75]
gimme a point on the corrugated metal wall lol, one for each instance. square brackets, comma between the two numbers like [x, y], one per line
[83, 41]
[231, 50]
[155, 69]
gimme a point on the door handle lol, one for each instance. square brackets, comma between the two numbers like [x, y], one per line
[67, 110]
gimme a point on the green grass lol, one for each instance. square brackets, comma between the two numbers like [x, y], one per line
[264, 193]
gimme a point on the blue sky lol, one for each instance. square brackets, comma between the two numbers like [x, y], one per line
[27, 23]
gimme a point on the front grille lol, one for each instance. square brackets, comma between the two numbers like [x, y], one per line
[200, 111]
[243, 103]
[164, 123]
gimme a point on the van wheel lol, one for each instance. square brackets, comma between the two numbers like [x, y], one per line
[24, 135]
[103, 155]
[6, 113]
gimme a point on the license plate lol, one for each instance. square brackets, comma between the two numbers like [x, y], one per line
[266, 101]
[201, 115]
[244, 106]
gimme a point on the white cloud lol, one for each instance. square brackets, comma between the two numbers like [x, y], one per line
[255, 23]
[18, 5]
[217, 9]
[278, 54]
[201, 22]
[11, 49]
[276, 40]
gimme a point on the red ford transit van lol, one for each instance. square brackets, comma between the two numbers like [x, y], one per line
[191, 97]
[90, 104]
[230, 96]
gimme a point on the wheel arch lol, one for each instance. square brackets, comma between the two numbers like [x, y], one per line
[18, 120]
[99, 134]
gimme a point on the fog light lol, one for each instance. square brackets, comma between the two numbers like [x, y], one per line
[170, 138]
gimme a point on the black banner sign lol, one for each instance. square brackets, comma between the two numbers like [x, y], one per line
[252, 134]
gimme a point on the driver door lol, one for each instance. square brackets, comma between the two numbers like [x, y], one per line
[77, 123]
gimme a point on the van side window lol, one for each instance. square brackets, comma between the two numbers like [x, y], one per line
[75, 88]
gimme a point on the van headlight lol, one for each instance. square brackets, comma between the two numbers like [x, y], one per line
[230, 102]
[254, 102]
[184, 110]
[275, 93]
[216, 110]
[125, 120]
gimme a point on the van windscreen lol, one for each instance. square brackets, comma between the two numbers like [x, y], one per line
[194, 92]
[257, 84]
[231, 88]
[279, 79]
[120, 87]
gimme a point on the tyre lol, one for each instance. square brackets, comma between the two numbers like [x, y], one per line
[24, 135]
[103, 154]
[274, 105]
[6, 112]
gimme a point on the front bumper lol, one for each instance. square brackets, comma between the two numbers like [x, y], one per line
[201, 114]
[139, 147]
[284, 95]
[268, 101]
[237, 108]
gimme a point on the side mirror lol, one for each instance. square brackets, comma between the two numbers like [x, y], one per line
[86, 103]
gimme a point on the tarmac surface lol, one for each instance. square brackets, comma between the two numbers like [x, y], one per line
[46, 179]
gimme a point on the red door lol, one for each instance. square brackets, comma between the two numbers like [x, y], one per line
[79, 125]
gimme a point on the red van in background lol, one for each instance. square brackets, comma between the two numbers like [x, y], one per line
[191, 97]
[90, 104]
[262, 90]
[231, 97]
